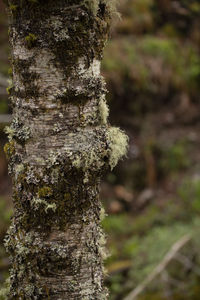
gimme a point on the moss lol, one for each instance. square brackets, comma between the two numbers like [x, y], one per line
[31, 40]
[9, 90]
[10, 72]
[9, 149]
[45, 191]
[13, 7]
[118, 144]
[67, 196]
[93, 5]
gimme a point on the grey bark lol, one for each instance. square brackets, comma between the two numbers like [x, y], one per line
[60, 145]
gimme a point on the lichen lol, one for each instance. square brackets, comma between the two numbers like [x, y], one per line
[17, 130]
[4, 291]
[87, 159]
[118, 144]
[93, 5]
[37, 203]
[104, 111]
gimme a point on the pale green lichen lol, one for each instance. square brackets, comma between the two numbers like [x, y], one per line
[102, 214]
[19, 168]
[10, 132]
[102, 249]
[118, 144]
[104, 111]
[112, 5]
[18, 131]
[93, 5]
[37, 202]
[29, 290]
[87, 159]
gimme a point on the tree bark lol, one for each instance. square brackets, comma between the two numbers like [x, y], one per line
[60, 145]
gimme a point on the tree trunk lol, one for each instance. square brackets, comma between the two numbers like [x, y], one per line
[60, 145]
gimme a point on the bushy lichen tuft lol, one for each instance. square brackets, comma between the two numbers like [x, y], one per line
[118, 144]
[93, 5]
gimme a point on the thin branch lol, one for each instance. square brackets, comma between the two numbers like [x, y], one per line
[187, 263]
[159, 269]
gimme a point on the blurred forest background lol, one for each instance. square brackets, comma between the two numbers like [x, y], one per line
[152, 69]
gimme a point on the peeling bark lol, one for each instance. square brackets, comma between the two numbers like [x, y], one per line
[60, 145]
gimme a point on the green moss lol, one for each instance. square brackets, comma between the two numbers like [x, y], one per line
[31, 40]
[10, 72]
[67, 196]
[45, 191]
[9, 89]
[13, 7]
[9, 149]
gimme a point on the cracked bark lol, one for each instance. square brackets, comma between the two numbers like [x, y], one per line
[60, 145]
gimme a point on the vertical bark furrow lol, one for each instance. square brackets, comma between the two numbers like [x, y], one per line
[59, 146]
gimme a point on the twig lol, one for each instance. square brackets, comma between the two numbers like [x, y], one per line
[187, 263]
[157, 271]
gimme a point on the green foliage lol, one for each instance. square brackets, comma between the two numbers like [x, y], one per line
[189, 192]
[132, 59]
[147, 252]
[115, 224]
[175, 157]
